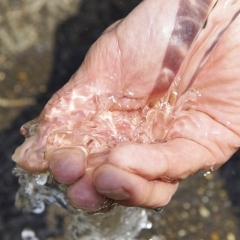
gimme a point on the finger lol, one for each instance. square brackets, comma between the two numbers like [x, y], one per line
[196, 144]
[129, 189]
[171, 160]
[111, 27]
[83, 195]
[66, 164]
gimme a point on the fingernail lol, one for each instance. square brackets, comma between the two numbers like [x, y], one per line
[119, 194]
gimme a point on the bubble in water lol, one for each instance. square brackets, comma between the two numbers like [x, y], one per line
[119, 224]
[206, 173]
[146, 225]
[29, 188]
[39, 207]
[154, 237]
[28, 234]
[41, 179]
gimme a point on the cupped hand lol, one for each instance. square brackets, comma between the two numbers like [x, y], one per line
[135, 60]
[202, 137]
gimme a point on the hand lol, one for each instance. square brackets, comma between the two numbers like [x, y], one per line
[125, 62]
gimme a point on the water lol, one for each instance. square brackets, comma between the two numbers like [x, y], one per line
[28, 234]
[206, 173]
[119, 224]
[158, 210]
[222, 15]
[41, 179]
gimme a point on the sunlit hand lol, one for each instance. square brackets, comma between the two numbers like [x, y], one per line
[127, 60]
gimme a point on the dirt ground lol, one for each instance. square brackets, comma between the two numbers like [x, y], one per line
[42, 43]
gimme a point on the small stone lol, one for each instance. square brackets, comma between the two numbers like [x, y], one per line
[162, 222]
[28, 234]
[231, 236]
[228, 223]
[205, 199]
[209, 193]
[222, 193]
[214, 236]
[17, 88]
[211, 185]
[227, 203]
[42, 89]
[155, 238]
[200, 225]
[2, 76]
[22, 76]
[193, 211]
[200, 191]
[182, 233]
[204, 212]
[8, 65]
[2, 59]
[184, 215]
[215, 208]
[170, 219]
[186, 206]
[192, 229]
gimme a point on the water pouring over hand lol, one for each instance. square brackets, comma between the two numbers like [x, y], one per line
[156, 100]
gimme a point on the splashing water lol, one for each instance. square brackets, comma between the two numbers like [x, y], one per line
[119, 224]
[28, 234]
[206, 173]
[217, 25]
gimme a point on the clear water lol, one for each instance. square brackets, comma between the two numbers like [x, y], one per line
[119, 224]
[28, 234]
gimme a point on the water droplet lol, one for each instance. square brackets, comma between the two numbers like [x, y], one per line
[39, 207]
[182, 233]
[204, 212]
[206, 173]
[29, 188]
[28, 234]
[146, 225]
[205, 199]
[131, 93]
[29, 129]
[41, 179]
[158, 210]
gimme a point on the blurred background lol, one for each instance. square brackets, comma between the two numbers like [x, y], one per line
[42, 43]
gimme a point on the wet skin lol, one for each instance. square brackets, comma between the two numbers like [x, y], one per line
[203, 136]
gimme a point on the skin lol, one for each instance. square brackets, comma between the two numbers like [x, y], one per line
[203, 136]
